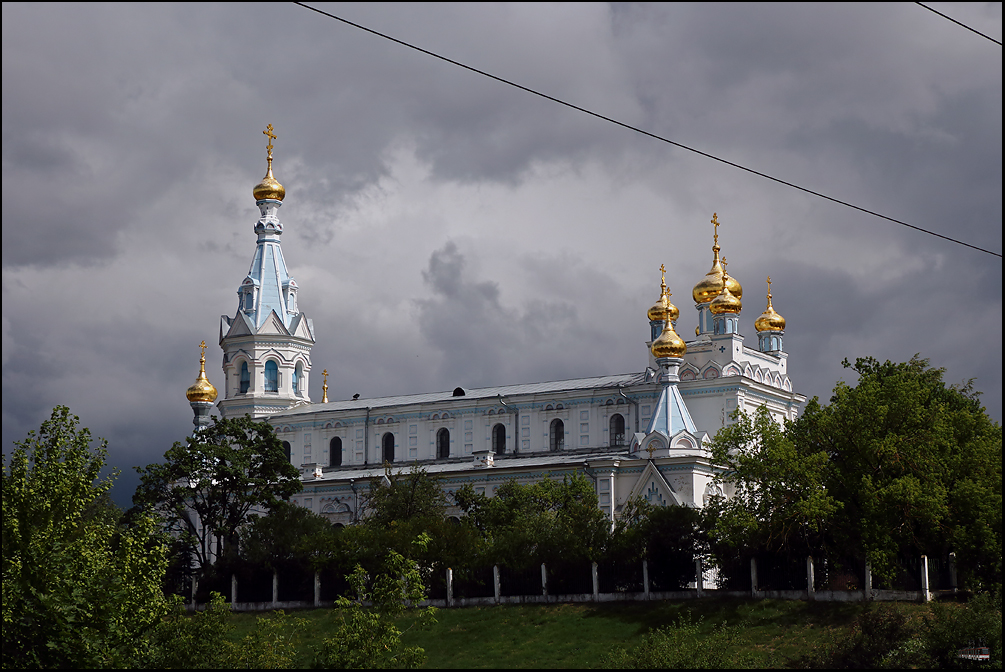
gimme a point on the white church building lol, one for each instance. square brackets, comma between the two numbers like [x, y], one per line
[641, 433]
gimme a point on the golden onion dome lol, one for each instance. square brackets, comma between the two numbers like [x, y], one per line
[658, 311]
[269, 187]
[663, 309]
[726, 302]
[202, 389]
[711, 285]
[668, 344]
[769, 319]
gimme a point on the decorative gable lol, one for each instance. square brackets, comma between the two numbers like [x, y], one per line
[654, 488]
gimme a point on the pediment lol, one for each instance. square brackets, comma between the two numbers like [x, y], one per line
[240, 326]
[273, 326]
[654, 488]
[300, 327]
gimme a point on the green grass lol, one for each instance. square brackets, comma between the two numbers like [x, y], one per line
[578, 635]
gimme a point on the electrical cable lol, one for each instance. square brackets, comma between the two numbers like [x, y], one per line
[949, 18]
[647, 133]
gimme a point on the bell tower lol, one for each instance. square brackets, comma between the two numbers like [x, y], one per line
[267, 344]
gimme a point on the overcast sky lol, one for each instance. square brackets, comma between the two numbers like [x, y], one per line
[448, 230]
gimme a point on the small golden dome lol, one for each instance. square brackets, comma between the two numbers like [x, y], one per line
[711, 285]
[726, 302]
[658, 311]
[669, 344]
[269, 187]
[202, 390]
[663, 309]
[769, 319]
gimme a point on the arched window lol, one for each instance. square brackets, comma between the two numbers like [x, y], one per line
[443, 444]
[388, 443]
[617, 430]
[298, 379]
[335, 452]
[499, 439]
[271, 376]
[288, 450]
[557, 435]
[245, 378]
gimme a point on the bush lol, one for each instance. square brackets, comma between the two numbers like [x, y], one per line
[680, 646]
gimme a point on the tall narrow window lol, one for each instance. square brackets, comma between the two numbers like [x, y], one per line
[271, 376]
[288, 450]
[557, 435]
[499, 439]
[249, 301]
[298, 379]
[388, 444]
[335, 452]
[245, 378]
[617, 430]
[443, 444]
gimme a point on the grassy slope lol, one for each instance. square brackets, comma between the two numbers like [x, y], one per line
[566, 635]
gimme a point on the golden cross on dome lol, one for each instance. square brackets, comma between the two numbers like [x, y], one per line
[715, 221]
[203, 346]
[324, 388]
[769, 286]
[651, 449]
[272, 136]
[663, 274]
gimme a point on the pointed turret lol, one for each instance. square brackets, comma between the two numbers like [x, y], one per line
[267, 344]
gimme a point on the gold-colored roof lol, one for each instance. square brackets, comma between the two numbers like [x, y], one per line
[202, 390]
[269, 187]
[668, 344]
[726, 302]
[711, 285]
[660, 310]
[769, 319]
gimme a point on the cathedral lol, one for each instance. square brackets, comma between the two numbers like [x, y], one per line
[640, 434]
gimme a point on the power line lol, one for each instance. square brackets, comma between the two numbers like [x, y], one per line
[647, 133]
[949, 18]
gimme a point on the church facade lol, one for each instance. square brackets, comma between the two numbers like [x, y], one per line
[638, 434]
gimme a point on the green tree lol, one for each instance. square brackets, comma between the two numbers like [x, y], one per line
[79, 589]
[780, 501]
[207, 487]
[368, 637]
[546, 521]
[898, 464]
[668, 537]
[400, 497]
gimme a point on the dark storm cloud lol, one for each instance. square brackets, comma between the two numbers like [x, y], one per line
[447, 230]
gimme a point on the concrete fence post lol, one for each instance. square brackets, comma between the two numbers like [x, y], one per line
[275, 587]
[317, 589]
[544, 580]
[596, 582]
[645, 578]
[753, 577]
[450, 587]
[233, 589]
[952, 572]
[195, 589]
[868, 580]
[926, 594]
[699, 578]
[496, 583]
[810, 587]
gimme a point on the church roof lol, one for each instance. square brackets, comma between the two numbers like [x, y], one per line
[596, 382]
